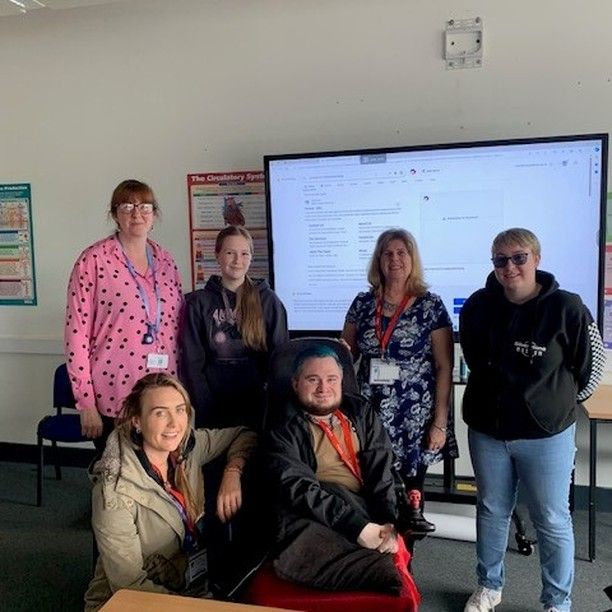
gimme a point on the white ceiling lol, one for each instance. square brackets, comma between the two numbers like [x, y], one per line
[9, 8]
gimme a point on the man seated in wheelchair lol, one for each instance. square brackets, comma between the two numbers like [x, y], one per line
[331, 468]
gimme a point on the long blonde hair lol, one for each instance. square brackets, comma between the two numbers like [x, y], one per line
[132, 407]
[249, 311]
[415, 285]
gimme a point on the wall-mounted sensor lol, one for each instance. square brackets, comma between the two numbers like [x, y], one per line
[463, 43]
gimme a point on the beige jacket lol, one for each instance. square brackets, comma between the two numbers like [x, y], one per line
[138, 528]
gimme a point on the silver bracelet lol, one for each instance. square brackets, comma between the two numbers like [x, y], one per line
[442, 429]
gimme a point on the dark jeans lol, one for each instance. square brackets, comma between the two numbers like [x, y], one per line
[235, 548]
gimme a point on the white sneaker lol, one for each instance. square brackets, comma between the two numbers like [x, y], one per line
[483, 600]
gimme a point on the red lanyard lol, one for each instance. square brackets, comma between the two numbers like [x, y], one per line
[348, 458]
[384, 338]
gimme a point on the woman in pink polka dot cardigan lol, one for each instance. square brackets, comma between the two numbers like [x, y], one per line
[122, 315]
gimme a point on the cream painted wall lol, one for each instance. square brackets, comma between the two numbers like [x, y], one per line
[155, 90]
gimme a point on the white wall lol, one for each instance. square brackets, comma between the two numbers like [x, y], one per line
[155, 89]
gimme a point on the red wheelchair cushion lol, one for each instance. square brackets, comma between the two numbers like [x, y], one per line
[267, 589]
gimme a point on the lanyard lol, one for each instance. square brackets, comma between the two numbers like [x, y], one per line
[191, 532]
[384, 338]
[152, 328]
[230, 315]
[348, 458]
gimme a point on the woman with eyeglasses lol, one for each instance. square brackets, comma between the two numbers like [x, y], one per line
[124, 301]
[534, 352]
[404, 336]
[229, 329]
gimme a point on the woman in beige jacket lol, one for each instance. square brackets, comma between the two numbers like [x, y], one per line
[148, 495]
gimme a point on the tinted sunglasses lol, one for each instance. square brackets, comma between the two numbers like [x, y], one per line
[518, 259]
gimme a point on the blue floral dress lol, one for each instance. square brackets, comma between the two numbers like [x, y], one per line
[405, 407]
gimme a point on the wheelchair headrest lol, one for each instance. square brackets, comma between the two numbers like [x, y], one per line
[282, 362]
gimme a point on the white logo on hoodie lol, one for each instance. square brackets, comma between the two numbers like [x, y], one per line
[529, 349]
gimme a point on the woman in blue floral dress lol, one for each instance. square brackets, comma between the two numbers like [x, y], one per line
[404, 336]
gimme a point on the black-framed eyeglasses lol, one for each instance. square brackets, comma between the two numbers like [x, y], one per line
[144, 208]
[518, 259]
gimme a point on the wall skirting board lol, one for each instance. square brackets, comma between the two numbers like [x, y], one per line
[32, 345]
[28, 453]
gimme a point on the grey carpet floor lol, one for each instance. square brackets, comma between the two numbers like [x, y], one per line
[46, 554]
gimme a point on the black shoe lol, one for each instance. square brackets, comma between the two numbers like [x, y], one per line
[417, 523]
[414, 521]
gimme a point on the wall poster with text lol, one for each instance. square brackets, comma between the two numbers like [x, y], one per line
[218, 199]
[607, 313]
[17, 280]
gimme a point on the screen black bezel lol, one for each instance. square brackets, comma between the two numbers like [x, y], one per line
[603, 137]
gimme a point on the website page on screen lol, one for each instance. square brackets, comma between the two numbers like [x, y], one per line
[327, 212]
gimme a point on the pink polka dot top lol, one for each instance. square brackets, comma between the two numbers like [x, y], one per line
[106, 320]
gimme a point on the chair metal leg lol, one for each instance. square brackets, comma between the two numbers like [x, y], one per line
[592, 486]
[39, 471]
[524, 545]
[58, 471]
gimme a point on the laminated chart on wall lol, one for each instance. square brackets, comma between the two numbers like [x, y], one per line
[17, 276]
[607, 318]
[219, 199]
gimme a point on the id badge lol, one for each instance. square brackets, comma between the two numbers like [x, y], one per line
[197, 565]
[383, 372]
[157, 361]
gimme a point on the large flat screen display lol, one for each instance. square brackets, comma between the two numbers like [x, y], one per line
[325, 211]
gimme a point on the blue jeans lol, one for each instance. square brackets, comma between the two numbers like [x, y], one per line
[544, 467]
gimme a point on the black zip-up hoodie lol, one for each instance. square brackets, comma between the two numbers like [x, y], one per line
[530, 364]
[225, 379]
[292, 466]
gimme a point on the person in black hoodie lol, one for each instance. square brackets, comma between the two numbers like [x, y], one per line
[534, 352]
[228, 331]
[229, 328]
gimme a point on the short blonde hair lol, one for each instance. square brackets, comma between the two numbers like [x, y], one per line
[516, 235]
[415, 285]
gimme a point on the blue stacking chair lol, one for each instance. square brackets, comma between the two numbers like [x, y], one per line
[58, 427]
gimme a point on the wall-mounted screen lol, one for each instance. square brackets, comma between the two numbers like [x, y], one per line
[325, 211]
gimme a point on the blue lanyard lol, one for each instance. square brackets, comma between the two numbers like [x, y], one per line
[152, 328]
[190, 543]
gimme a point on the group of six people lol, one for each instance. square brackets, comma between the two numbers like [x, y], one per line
[337, 464]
